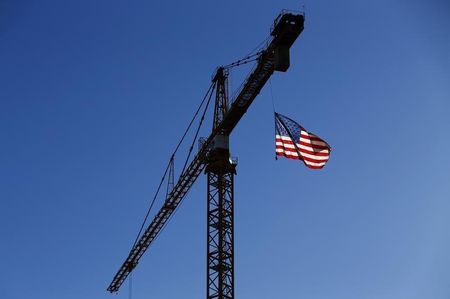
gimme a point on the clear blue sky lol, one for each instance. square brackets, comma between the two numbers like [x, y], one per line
[94, 96]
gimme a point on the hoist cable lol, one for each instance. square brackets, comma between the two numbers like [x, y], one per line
[274, 113]
[271, 95]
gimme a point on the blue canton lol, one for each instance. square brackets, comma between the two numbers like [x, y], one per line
[293, 127]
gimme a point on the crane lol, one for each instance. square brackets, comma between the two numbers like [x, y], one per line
[213, 157]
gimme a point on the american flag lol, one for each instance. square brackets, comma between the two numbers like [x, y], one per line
[294, 142]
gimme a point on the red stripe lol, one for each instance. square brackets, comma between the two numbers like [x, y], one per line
[285, 150]
[285, 141]
[319, 154]
[314, 146]
[315, 142]
[314, 167]
[312, 160]
[312, 137]
[297, 158]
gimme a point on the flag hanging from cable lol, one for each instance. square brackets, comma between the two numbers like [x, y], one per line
[294, 142]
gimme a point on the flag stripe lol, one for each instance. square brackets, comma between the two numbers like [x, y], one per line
[314, 144]
[318, 158]
[312, 150]
[309, 148]
[305, 149]
[305, 136]
[305, 157]
[303, 141]
[309, 164]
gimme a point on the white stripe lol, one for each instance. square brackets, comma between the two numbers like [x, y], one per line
[306, 134]
[296, 155]
[285, 144]
[291, 146]
[301, 146]
[305, 137]
[311, 149]
[325, 158]
[283, 137]
[316, 142]
[280, 150]
[314, 164]
[315, 157]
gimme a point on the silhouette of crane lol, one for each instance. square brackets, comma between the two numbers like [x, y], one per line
[214, 158]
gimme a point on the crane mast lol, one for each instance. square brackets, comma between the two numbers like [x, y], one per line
[220, 171]
[214, 158]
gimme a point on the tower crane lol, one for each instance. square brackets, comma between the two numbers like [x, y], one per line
[214, 158]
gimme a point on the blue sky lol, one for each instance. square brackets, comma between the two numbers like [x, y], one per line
[94, 96]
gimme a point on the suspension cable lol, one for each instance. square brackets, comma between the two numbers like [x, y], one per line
[151, 205]
[245, 60]
[249, 58]
[198, 130]
[252, 56]
[211, 87]
[209, 92]
[187, 158]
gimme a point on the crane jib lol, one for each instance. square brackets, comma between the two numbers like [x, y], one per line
[275, 57]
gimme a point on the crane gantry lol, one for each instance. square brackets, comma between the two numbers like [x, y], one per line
[214, 157]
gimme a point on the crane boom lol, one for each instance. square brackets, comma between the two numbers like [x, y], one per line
[275, 57]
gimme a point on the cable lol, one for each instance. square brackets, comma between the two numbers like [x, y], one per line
[193, 118]
[151, 206]
[209, 91]
[271, 95]
[185, 163]
[259, 46]
[198, 130]
[245, 60]
[249, 56]
[274, 114]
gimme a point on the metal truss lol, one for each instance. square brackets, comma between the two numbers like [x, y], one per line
[220, 232]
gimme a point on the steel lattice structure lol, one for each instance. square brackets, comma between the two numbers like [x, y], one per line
[214, 158]
[220, 232]
[220, 245]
